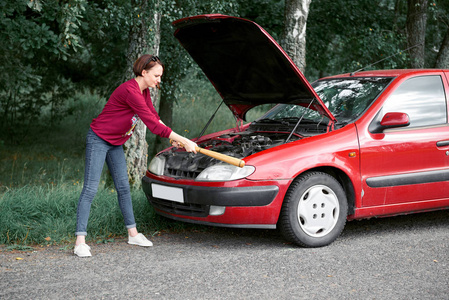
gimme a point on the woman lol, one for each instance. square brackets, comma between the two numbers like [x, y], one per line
[128, 104]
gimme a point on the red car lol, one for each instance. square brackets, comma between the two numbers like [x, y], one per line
[352, 146]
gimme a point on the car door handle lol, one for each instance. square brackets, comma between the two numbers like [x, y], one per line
[442, 143]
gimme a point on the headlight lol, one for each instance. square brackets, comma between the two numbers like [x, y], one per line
[225, 173]
[157, 165]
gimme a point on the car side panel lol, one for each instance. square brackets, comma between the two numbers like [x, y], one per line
[405, 164]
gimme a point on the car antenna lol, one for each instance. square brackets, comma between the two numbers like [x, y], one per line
[210, 120]
[399, 52]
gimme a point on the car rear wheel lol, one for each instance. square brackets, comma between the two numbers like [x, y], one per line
[314, 210]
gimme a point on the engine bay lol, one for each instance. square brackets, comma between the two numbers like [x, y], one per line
[182, 164]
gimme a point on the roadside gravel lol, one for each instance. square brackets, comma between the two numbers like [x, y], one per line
[405, 257]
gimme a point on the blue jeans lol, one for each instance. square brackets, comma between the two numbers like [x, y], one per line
[97, 152]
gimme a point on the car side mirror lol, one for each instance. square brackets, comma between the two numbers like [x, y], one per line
[390, 120]
[394, 119]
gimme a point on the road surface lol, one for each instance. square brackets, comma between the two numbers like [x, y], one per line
[405, 257]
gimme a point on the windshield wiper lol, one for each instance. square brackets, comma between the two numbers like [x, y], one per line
[289, 121]
[271, 121]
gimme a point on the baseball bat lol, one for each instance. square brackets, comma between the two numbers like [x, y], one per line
[226, 158]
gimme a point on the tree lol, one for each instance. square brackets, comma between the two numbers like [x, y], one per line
[267, 13]
[295, 21]
[146, 34]
[442, 61]
[345, 35]
[144, 38]
[416, 31]
[37, 38]
[178, 63]
[438, 33]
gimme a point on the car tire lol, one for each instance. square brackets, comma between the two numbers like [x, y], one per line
[314, 210]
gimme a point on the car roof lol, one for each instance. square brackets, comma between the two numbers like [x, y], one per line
[387, 73]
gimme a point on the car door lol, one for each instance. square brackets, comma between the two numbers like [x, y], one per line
[411, 163]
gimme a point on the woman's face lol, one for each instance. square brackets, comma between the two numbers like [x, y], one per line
[152, 77]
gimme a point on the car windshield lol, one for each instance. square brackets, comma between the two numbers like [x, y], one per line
[346, 98]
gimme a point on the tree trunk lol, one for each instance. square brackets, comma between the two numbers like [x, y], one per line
[165, 112]
[416, 31]
[442, 61]
[397, 14]
[136, 148]
[294, 40]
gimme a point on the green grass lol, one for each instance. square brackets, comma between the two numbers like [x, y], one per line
[47, 215]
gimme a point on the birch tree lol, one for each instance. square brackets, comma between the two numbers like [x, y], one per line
[294, 39]
[144, 38]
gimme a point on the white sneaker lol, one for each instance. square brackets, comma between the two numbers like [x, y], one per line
[82, 250]
[139, 240]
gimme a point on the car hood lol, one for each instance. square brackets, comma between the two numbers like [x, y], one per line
[245, 64]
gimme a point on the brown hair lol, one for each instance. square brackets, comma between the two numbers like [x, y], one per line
[146, 62]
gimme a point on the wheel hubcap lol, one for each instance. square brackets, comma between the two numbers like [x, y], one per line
[318, 210]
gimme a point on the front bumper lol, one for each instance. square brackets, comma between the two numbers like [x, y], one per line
[198, 200]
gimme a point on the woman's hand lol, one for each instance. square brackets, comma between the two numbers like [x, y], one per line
[179, 141]
[190, 146]
[175, 144]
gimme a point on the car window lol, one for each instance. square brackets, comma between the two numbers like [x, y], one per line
[348, 98]
[284, 111]
[422, 98]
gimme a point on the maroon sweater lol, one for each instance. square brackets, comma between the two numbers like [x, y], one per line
[115, 124]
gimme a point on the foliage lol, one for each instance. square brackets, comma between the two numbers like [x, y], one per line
[267, 13]
[36, 36]
[344, 36]
[179, 64]
[51, 155]
[100, 63]
[51, 48]
[437, 27]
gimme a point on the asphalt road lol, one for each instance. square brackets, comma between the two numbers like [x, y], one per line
[404, 257]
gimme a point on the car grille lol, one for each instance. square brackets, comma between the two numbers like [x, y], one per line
[185, 209]
[178, 173]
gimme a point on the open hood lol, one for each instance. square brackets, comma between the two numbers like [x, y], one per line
[245, 64]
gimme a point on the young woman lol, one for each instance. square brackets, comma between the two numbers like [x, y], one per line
[128, 104]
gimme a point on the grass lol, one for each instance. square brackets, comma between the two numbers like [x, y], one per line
[41, 179]
[46, 215]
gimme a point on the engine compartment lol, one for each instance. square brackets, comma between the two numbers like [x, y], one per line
[182, 164]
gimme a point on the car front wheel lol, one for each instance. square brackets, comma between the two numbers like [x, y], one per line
[314, 210]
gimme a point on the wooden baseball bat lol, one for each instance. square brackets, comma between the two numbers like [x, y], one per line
[226, 158]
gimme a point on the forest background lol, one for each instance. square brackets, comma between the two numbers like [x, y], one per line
[61, 59]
